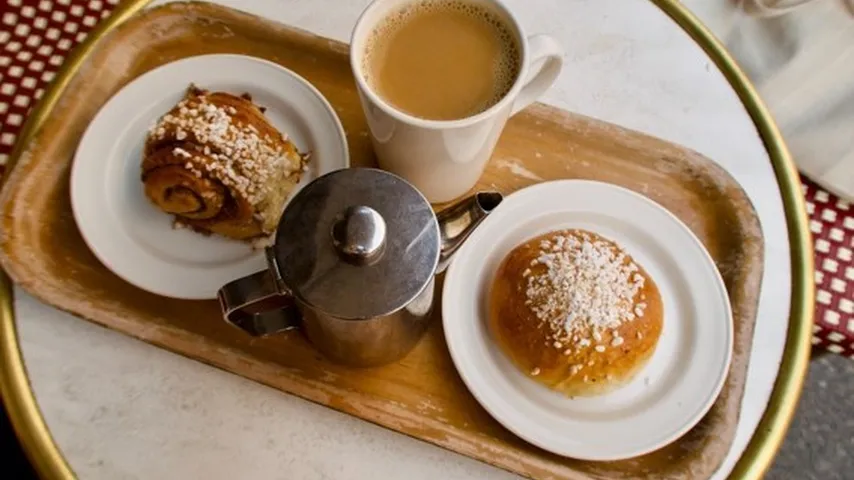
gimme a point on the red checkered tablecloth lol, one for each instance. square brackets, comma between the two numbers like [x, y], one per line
[36, 35]
[832, 226]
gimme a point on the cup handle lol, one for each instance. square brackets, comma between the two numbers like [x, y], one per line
[546, 60]
[258, 305]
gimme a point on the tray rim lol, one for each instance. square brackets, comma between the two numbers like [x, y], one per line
[49, 462]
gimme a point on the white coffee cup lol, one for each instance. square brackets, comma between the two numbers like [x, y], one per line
[444, 159]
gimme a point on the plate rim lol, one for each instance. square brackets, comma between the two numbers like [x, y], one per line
[729, 328]
[75, 189]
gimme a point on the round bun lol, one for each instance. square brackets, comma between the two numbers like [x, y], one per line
[575, 312]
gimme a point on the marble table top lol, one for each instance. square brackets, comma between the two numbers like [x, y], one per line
[120, 408]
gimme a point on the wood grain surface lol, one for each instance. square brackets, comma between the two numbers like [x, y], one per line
[422, 395]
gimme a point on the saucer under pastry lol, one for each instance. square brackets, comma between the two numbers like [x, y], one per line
[667, 396]
[138, 241]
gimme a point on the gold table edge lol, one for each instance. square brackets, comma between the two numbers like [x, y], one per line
[48, 461]
[771, 430]
[18, 398]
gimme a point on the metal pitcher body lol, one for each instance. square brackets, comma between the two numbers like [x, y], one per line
[354, 266]
[372, 341]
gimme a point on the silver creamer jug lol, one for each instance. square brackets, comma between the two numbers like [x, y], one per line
[353, 266]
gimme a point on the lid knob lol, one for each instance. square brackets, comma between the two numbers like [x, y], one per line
[358, 234]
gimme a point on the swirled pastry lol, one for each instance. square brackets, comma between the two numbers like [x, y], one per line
[575, 312]
[216, 163]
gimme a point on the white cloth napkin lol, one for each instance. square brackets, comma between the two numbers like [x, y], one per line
[800, 56]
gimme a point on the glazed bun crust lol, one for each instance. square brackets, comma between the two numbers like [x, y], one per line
[574, 312]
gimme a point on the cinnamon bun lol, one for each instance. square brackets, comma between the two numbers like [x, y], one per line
[219, 166]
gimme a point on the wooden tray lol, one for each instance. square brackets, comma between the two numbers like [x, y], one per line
[422, 395]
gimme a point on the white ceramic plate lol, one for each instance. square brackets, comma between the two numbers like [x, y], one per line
[126, 231]
[673, 391]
